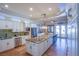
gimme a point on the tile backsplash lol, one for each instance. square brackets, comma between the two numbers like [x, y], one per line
[6, 33]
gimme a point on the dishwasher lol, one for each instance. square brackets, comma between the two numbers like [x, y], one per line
[18, 41]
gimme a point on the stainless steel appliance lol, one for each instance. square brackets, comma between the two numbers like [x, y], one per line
[18, 41]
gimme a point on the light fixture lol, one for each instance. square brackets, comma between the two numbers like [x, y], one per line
[31, 9]
[50, 9]
[6, 6]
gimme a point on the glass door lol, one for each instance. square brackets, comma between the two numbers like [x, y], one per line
[58, 30]
[72, 49]
[63, 31]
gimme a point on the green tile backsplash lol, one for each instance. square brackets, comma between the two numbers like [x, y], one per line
[6, 33]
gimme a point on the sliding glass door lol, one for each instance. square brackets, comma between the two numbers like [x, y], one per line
[58, 30]
[61, 31]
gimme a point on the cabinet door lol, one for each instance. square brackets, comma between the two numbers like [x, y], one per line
[23, 40]
[3, 45]
[2, 25]
[28, 47]
[10, 43]
[14, 27]
[8, 24]
[35, 49]
[45, 45]
[49, 42]
[41, 48]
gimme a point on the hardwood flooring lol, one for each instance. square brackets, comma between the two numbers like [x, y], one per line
[55, 50]
[20, 51]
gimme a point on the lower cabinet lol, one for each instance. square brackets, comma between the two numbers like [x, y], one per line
[38, 49]
[35, 49]
[32, 48]
[41, 48]
[29, 47]
[6, 44]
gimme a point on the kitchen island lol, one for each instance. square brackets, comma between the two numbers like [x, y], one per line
[39, 45]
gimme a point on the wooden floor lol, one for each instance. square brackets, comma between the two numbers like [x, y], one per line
[55, 50]
[20, 51]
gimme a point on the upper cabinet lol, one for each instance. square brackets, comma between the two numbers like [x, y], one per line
[15, 26]
[18, 27]
[5, 25]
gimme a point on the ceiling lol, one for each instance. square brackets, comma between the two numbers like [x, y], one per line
[38, 9]
[22, 9]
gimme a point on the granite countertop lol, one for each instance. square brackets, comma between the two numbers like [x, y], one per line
[36, 41]
[39, 39]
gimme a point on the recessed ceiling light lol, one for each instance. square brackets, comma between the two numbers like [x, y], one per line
[50, 9]
[6, 6]
[31, 9]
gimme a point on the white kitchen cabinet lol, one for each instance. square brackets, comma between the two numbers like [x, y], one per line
[28, 47]
[23, 39]
[8, 25]
[34, 48]
[37, 49]
[45, 45]
[16, 27]
[41, 48]
[10, 43]
[2, 25]
[51, 41]
[6, 44]
[3, 46]
[5, 25]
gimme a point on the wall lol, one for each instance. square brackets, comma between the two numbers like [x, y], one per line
[78, 29]
[72, 29]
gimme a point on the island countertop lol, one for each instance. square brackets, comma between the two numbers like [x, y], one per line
[39, 39]
[38, 45]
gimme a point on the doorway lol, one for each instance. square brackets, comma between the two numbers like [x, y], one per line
[67, 39]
